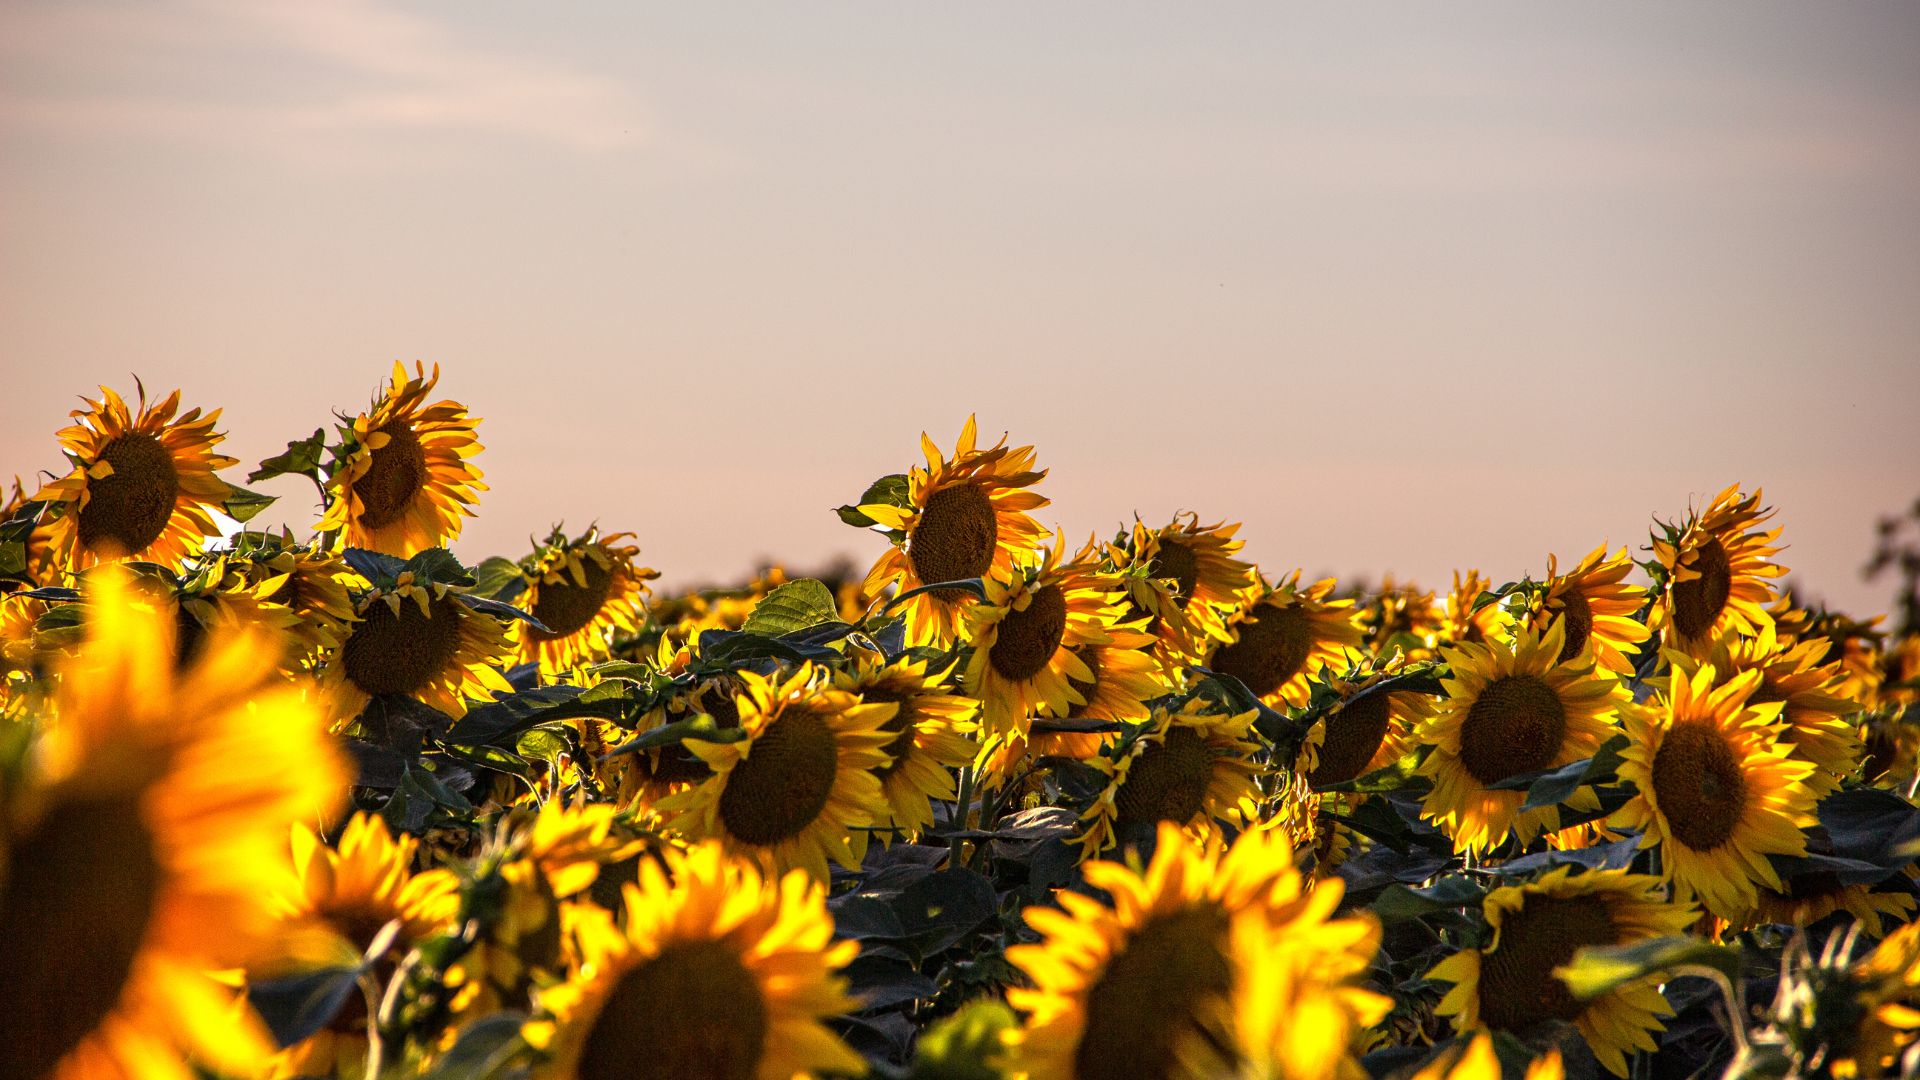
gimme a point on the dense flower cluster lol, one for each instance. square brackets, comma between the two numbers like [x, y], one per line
[341, 805]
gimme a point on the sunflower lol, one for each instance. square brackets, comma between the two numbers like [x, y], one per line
[1717, 566]
[342, 900]
[1368, 730]
[648, 776]
[417, 641]
[312, 583]
[799, 788]
[1125, 677]
[1207, 963]
[966, 517]
[1537, 927]
[714, 971]
[1818, 728]
[1475, 1060]
[142, 486]
[1191, 768]
[1717, 789]
[400, 480]
[1887, 1002]
[1462, 622]
[1400, 616]
[1183, 576]
[1281, 637]
[139, 852]
[584, 590]
[928, 737]
[1512, 707]
[1024, 636]
[1599, 608]
[1810, 897]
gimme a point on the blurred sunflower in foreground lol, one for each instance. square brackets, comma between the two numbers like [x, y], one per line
[400, 481]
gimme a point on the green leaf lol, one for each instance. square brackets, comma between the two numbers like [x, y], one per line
[974, 586]
[969, 1045]
[791, 608]
[1551, 787]
[1595, 971]
[699, 727]
[298, 1006]
[1400, 903]
[242, 505]
[438, 565]
[302, 458]
[484, 1049]
[890, 490]
[498, 579]
[545, 743]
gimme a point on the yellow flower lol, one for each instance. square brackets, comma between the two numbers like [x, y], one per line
[1818, 728]
[1475, 1060]
[141, 850]
[1512, 707]
[584, 591]
[1888, 998]
[142, 486]
[714, 971]
[1811, 897]
[1284, 636]
[1599, 608]
[1717, 789]
[401, 481]
[799, 788]
[416, 641]
[1717, 570]
[1024, 635]
[1206, 964]
[928, 737]
[1183, 576]
[1191, 768]
[966, 517]
[648, 776]
[1125, 677]
[1536, 928]
[1464, 624]
[1368, 730]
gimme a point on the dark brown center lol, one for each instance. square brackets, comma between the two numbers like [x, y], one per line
[1697, 602]
[126, 512]
[1177, 561]
[1577, 616]
[1517, 986]
[1353, 736]
[1516, 725]
[1026, 640]
[954, 538]
[1272, 648]
[785, 780]
[404, 653]
[692, 1011]
[395, 474]
[1157, 994]
[1699, 786]
[900, 724]
[568, 607]
[1168, 781]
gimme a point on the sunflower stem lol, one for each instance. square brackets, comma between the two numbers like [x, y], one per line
[963, 811]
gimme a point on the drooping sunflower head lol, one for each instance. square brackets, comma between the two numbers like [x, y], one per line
[1126, 676]
[400, 481]
[305, 579]
[1191, 767]
[1810, 896]
[419, 641]
[1025, 635]
[1600, 610]
[1718, 567]
[965, 517]
[1370, 729]
[929, 736]
[142, 486]
[1208, 963]
[584, 591]
[713, 971]
[144, 843]
[1183, 577]
[1282, 637]
[1511, 707]
[1718, 790]
[797, 786]
[1533, 928]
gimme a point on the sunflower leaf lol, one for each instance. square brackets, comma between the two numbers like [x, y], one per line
[302, 458]
[376, 567]
[974, 586]
[298, 1006]
[498, 579]
[1596, 971]
[889, 490]
[791, 608]
[1400, 903]
[968, 1045]
[438, 565]
[484, 1049]
[503, 611]
[698, 727]
[242, 505]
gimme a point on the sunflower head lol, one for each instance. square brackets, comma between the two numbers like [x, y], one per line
[1281, 637]
[584, 591]
[1600, 610]
[1818, 722]
[1716, 567]
[1027, 636]
[1370, 729]
[1190, 767]
[420, 640]
[961, 517]
[929, 731]
[1182, 578]
[400, 481]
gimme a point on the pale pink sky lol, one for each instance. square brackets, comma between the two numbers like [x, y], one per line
[1402, 288]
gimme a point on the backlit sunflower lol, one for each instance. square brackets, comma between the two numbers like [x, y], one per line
[800, 787]
[1184, 577]
[1512, 707]
[305, 579]
[1718, 567]
[1401, 616]
[1369, 730]
[1887, 1003]
[142, 486]
[1599, 608]
[1475, 1060]
[1283, 636]
[1718, 790]
[1125, 677]
[928, 737]
[1207, 964]
[1818, 725]
[1467, 621]
[1191, 768]
[400, 481]
[417, 641]
[141, 849]
[714, 971]
[585, 590]
[1024, 636]
[648, 776]
[966, 517]
[1537, 927]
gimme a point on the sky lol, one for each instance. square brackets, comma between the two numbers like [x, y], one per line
[1404, 288]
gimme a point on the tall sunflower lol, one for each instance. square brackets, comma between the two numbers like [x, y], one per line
[966, 517]
[713, 971]
[1283, 636]
[1717, 789]
[1537, 927]
[928, 736]
[799, 788]
[1512, 707]
[1024, 636]
[1369, 730]
[400, 481]
[141, 849]
[1818, 722]
[142, 486]
[1208, 963]
[1599, 608]
[1191, 767]
[417, 641]
[1184, 577]
[585, 590]
[1717, 568]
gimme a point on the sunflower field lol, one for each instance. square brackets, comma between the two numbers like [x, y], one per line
[343, 805]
